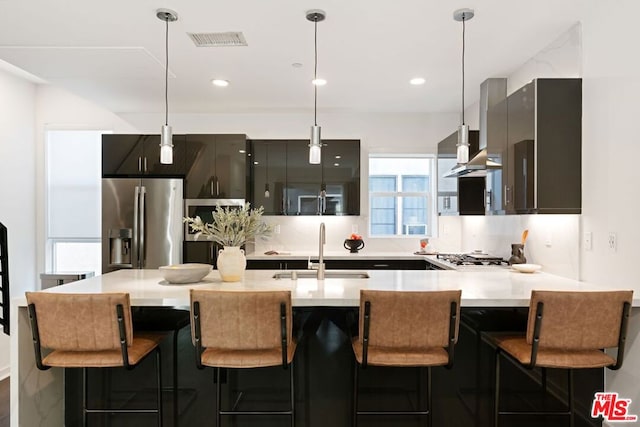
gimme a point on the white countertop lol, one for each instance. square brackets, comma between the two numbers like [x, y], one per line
[492, 287]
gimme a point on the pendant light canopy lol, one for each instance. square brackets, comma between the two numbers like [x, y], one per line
[315, 145]
[166, 134]
[462, 155]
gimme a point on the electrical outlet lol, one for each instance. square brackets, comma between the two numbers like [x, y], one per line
[276, 229]
[587, 241]
[612, 243]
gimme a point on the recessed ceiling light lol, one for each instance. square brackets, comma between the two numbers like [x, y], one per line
[220, 82]
[319, 82]
[336, 164]
[417, 81]
[338, 157]
[255, 163]
[241, 151]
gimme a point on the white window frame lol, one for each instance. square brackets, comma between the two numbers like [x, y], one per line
[431, 226]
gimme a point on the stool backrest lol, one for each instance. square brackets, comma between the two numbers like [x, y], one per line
[80, 322]
[578, 320]
[241, 320]
[409, 319]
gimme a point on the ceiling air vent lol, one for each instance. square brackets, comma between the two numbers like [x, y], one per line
[228, 39]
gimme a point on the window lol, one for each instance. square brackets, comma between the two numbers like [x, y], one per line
[400, 189]
[73, 208]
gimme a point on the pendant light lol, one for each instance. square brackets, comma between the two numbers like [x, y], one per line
[166, 134]
[267, 194]
[315, 144]
[462, 153]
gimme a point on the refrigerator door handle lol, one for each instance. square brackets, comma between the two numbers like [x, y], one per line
[143, 202]
[135, 249]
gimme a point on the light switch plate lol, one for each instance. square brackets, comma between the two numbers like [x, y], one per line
[612, 242]
[587, 240]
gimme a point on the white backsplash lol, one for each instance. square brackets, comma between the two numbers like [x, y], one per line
[553, 240]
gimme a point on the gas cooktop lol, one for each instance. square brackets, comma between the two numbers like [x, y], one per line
[472, 259]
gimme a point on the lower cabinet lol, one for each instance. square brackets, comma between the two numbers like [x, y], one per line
[343, 264]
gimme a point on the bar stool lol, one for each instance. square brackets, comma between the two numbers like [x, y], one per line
[240, 330]
[405, 329]
[566, 330]
[90, 331]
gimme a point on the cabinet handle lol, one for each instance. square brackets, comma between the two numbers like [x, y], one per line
[217, 188]
[212, 186]
[380, 265]
[139, 164]
[507, 198]
[145, 164]
[213, 252]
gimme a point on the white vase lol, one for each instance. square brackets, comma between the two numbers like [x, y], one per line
[231, 263]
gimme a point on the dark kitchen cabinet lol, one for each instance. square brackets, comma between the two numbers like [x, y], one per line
[269, 172]
[544, 134]
[133, 155]
[297, 187]
[343, 264]
[458, 195]
[493, 137]
[216, 167]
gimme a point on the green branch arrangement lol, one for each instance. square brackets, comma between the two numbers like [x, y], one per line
[231, 227]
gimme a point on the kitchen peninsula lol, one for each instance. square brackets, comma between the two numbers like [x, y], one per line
[36, 397]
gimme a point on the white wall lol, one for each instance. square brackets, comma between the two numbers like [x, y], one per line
[17, 187]
[610, 154]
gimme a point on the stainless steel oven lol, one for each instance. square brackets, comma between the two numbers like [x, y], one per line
[204, 208]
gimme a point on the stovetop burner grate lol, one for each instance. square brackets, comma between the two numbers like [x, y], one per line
[472, 259]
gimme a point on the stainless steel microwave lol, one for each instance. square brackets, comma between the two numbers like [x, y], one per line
[204, 208]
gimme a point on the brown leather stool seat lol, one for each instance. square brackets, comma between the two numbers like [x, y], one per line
[405, 329]
[239, 330]
[90, 331]
[567, 330]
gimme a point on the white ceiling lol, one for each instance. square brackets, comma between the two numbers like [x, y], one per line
[113, 52]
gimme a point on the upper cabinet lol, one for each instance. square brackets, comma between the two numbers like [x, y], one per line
[216, 166]
[296, 187]
[544, 134]
[139, 155]
[458, 195]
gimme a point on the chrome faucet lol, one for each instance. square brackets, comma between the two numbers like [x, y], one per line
[320, 265]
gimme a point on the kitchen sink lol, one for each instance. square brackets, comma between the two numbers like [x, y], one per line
[328, 274]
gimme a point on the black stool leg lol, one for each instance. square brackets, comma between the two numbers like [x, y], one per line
[159, 376]
[570, 397]
[354, 422]
[175, 378]
[496, 401]
[218, 397]
[293, 396]
[429, 398]
[85, 391]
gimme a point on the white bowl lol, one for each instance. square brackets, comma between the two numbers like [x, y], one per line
[526, 268]
[185, 273]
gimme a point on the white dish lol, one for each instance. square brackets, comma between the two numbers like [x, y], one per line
[526, 268]
[185, 273]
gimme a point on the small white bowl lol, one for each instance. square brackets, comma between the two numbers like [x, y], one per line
[526, 268]
[185, 273]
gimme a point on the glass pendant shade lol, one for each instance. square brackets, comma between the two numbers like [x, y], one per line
[166, 145]
[267, 194]
[462, 154]
[315, 153]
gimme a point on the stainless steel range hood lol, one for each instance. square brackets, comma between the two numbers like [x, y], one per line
[477, 166]
[492, 91]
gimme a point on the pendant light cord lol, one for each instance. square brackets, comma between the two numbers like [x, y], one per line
[463, 28]
[315, 73]
[166, 74]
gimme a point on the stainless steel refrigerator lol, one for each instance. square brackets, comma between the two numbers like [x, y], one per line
[141, 222]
